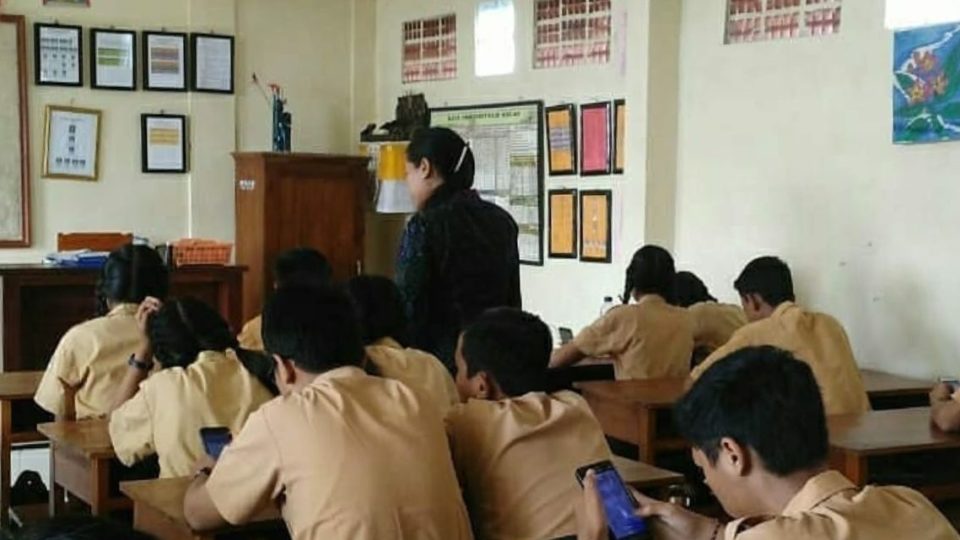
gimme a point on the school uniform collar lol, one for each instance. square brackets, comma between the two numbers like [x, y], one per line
[345, 372]
[387, 342]
[783, 308]
[123, 309]
[210, 356]
[817, 489]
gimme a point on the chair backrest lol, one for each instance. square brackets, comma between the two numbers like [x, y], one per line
[92, 241]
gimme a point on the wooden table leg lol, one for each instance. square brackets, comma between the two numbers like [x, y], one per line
[6, 447]
[57, 492]
[100, 486]
[647, 431]
[856, 468]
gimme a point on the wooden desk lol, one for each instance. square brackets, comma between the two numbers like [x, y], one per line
[637, 412]
[644, 477]
[855, 438]
[888, 391]
[80, 457]
[158, 511]
[13, 387]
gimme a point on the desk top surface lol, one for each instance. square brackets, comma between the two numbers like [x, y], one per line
[642, 392]
[88, 437]
[888, 432]
[19, 384]
[879, 383]
[643, 476]
[165, 495]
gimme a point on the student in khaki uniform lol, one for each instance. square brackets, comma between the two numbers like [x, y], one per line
[383, 324]
[91, 358]
[515, 445]
[758, 430]
[204, 380]
[649, 339]
[300, 266]
[713, 323]
[766, 291]
[345, 455]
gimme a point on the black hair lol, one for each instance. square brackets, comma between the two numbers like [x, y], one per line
[302, 267]
[131, 274]
[763, 398]
[443, 148]
[183, 328]
[316, 328]
[512, 346]
[379, 307]
[79, 528]
[651, 271]
[690, 290]
[769, 278]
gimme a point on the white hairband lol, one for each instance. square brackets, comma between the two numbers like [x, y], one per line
[463, 155]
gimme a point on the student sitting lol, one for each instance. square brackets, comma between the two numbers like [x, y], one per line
[91, 358]
[383, 324]
[344, 454]
[945, 407]
[297, 267]
[649, 339]
[713, 323]
[513, 444]
[205, 380]
[758, 430]
[766, 291]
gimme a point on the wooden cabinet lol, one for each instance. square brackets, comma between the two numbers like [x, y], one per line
[298, 200]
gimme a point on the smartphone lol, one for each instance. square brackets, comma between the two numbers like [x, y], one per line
[618, 503]
[215, 439]
[952, 382]
[566, 335]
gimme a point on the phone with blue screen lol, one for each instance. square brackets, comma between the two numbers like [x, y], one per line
[618, 504]
[215, 439]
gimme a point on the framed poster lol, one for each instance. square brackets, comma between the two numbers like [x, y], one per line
[58, 55]
[165, 61]
[507, 142]
[71, 143]
[595, 138]
[163, 143]
[113, 59]
[563, 223]
[596, 243]
[619, 135]
[562, 140]
[212, 63]
[15, 131]
[67, 3]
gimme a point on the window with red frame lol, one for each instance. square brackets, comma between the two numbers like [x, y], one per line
[430, 49]
[571, 33]
[764, 20]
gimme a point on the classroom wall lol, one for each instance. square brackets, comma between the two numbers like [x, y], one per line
[785, 148]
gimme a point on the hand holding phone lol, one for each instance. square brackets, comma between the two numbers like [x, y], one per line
[215, 439]
[619, 504]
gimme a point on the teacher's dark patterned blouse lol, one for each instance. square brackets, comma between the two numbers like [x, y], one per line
[457, 259]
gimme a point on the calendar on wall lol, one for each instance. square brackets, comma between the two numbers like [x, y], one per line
[764, 20]
[430, 49]
[571, 33]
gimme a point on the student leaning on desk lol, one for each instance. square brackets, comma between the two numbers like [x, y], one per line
[757, 425]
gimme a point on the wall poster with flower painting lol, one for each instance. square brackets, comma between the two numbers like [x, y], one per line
[926, 86]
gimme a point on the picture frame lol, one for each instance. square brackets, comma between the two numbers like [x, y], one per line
[66, 3]
[58, 54]
[165, 61]
[113, 59]
[71, 143]
[15, 230]
[619, 135]
[595, 139]
[163, 143]
[213, 63]
[596, 221]
[563, 223]
[562, 139]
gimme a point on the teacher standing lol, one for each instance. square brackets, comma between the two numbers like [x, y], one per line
[459, 254]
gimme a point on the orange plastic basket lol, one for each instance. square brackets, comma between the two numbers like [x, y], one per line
[195, 252]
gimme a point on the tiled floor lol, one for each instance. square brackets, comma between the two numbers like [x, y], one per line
[34, 459]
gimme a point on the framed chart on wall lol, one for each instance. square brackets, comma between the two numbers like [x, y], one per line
[163, 143]
[15, 130]
[507, 142]
[563, 223]
[58, 55]
[596, 213]
[165, 61]
[113, 59]
[71, 143]
[212, 63]
[595, 139]
[562, 139]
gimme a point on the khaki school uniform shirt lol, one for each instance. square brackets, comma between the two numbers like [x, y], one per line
[714, 324]
[646, 340]
[829, 507]
[416, 369]
[516, 460]
[350, 457]
[165, 416]
[251, 337]
[91, 358]
[815, 338]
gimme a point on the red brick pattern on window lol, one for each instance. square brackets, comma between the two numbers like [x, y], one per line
[763, 20]
[571, 33]
[430, 49]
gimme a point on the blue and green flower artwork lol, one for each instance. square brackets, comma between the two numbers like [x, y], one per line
[926, 87]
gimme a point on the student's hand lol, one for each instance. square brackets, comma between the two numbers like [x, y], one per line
[148, 307]
[591, 519]
[941, 392]
[674, 522]
[204, 463]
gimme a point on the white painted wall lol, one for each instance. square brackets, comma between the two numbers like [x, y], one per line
[785, 149]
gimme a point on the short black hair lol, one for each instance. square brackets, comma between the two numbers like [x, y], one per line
[302, 267]
[651, 271]
[769, 278]
[379, 307]
[763, 398]
[690, 290]
[316, 328]
[512, 346]
[131, 274]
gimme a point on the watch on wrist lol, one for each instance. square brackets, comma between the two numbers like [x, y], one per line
[134, 362]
